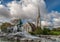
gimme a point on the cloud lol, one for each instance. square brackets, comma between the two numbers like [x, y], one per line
[56, 22]
[45, 23]
[15, 9]
[55, 18]
[4, 12]
[28, 9]
[21, 11]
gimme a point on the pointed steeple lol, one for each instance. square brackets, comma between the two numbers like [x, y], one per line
[38, 17]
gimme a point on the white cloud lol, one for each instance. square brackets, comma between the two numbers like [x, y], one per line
[4, 12]
[56, 19]
[27, 9]
[56, 22]
[45, 23]
[54, 16]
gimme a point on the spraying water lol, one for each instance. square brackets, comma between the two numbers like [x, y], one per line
[20, 31]
[23, 34]
[26, 34]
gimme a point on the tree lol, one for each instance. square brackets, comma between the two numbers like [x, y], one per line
[38, 31]
[46, 31]
[54, 29]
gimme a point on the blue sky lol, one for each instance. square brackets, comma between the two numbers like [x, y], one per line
[53, 5]
[6, 1]
[50, 4]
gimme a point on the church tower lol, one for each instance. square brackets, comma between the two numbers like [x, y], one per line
[38, 17]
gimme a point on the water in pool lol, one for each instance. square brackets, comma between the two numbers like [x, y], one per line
[42, 40]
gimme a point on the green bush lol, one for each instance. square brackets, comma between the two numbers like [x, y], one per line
[55, 32]
[37, 31]
[46, 31]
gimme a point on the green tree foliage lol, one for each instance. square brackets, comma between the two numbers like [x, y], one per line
[38, 31]
[46, 31]
[55, 31]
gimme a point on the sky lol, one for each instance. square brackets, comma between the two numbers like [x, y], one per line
[50, 4]
[53, 5]
[28, 10]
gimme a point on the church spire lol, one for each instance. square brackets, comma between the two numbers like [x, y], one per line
[38, 17]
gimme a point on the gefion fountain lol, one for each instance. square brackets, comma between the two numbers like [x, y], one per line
[18, 31]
